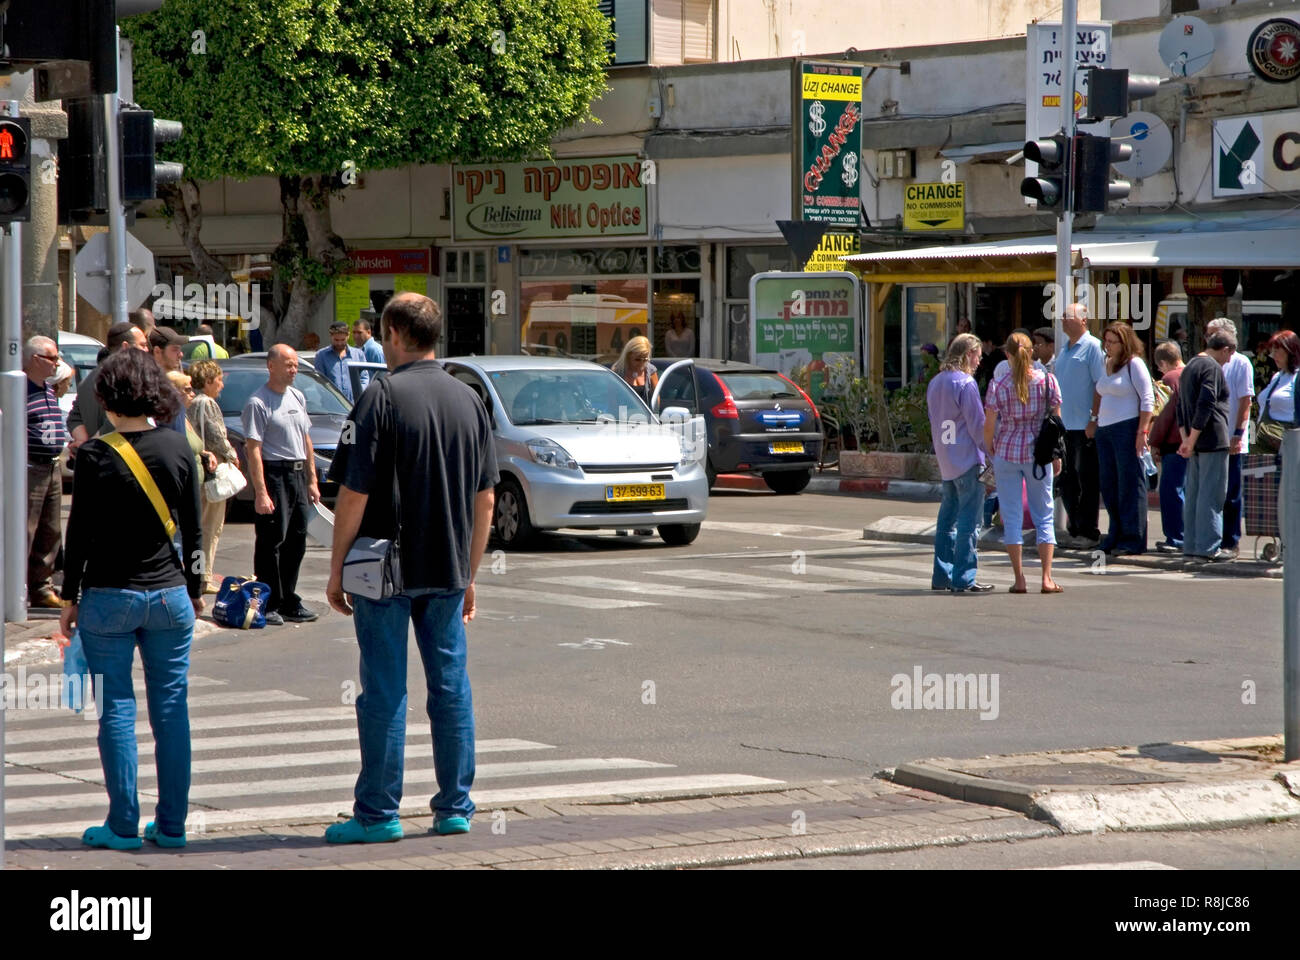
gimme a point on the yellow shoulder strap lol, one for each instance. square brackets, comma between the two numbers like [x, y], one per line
[128, 454]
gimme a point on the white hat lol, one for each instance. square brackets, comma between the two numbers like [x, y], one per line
[61, 372]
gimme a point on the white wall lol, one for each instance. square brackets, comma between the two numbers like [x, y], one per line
[740, 199]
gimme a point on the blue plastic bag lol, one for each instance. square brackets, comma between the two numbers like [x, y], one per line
[76, 674]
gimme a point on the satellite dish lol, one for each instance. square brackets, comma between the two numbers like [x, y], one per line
[1186, 46]
[1151, 140]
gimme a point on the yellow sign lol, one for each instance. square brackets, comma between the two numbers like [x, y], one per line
[817, 87]
[934, 206]
[351, 296]
[411, 283]
[1055, 101]
[828, 252]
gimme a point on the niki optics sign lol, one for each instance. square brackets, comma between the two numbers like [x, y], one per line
[588, 197]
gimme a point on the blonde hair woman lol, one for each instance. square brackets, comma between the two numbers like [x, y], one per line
[634, 366]
[957, 425]
[205, 416]
[1016, 406]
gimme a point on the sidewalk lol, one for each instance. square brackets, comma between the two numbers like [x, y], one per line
[936, 802]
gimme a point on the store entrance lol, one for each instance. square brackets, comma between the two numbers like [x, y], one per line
[466, 315]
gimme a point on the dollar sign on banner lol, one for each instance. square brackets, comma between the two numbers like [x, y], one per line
[817, 126]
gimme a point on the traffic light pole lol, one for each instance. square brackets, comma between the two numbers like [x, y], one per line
[116, 211]
[13, 400]
[1065, 224]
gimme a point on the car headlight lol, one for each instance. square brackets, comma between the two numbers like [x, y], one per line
[551, 454]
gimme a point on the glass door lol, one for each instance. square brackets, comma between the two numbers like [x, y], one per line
[465, 310]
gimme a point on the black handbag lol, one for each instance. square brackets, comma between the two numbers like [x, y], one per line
[1049, 445]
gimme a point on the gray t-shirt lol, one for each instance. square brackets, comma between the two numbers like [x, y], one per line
[279, 421]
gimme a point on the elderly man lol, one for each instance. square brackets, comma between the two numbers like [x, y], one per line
[46, 437]
[332, 361]
[1239, 374]
[281, 467]
[1203, 400]
[1078, 368]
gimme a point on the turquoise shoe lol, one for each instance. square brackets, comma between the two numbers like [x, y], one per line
[105, 837]
[354, 831]
[154, 835]
[451, 825]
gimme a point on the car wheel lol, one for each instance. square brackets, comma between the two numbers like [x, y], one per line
[510, 520]
[679, 534]
[787, 481]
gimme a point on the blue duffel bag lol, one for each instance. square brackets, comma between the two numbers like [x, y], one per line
[240, 604]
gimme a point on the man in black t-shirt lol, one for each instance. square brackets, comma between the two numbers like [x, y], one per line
[421, 461]
[1202, 416]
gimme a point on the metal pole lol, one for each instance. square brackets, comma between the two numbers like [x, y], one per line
[13, 401]
[116, 212]
[5, 679]
[1290, 497]
[1065, 224]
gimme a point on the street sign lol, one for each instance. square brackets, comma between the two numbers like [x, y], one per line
[93, 282]
[934, 206]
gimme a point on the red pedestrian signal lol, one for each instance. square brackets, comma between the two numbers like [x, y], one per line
[15, 170]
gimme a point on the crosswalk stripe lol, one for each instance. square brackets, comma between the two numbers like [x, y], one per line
[864, 578]
[791, 582]
[228, 698]
[252, 788]
[83, 730]
[653, 589]
[490, 593]
[415, 806]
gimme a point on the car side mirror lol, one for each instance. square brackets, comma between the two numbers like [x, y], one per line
[675, 414]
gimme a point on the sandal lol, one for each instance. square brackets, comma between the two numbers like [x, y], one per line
[450, 825]
[1054, 588]
[354, 831]
[154, 835]
[105, 837]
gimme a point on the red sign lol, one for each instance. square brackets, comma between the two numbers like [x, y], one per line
[390, 261]
[1203, 283]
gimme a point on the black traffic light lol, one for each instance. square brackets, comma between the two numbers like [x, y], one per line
[15, 169]
[82, 185]
[141, 171]
[1050, 186]
[1110, 92]
[1093, 188]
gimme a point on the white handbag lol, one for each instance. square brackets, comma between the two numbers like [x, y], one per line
[227, 482]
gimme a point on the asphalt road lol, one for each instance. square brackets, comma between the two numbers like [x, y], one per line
[766, 649]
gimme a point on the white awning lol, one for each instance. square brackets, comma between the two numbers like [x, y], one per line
[967, 153]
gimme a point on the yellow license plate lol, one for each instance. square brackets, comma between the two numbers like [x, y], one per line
[785, 448]
[634, 491]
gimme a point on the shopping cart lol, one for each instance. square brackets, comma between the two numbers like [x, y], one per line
[1261, 475]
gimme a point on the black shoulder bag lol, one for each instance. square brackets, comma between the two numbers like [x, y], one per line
[1049, 445]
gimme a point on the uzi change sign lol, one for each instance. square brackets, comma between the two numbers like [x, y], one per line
[802, 323]
[830, 117]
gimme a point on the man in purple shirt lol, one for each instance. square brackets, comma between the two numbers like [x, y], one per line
[957, 426]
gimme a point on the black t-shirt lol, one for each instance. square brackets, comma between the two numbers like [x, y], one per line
[115, 538]
[431, 433]
[1203, 403]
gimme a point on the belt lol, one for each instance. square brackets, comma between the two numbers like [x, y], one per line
[285, 466]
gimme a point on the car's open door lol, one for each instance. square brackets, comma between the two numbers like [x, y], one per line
[683, 421]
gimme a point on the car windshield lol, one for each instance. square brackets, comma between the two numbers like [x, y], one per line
[532, 397]
[757, 386]
[322, 398]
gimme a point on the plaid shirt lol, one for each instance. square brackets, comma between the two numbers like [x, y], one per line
[1019, 423]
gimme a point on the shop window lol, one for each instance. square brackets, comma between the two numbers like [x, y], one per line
[742, 264]
[589, 319]
[581, 261]
[628, 21]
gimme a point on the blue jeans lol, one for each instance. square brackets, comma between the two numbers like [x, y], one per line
[1232, 503]
[382, 628]
[1206, 489]
[161, 622]
[1010, 477]
[1173, 471]
[1123, 486]
[954, 534]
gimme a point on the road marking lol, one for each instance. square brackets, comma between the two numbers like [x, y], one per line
[663, 591]
[862, 578]
[565, 600]
[794, 581]
[342, 781]
[1130, 865]
[227, 699]
[78, 729]
[419, 806]
[793, 531]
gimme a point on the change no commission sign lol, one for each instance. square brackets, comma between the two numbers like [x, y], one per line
[934, 206]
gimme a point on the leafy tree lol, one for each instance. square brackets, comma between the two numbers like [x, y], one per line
[311, 90]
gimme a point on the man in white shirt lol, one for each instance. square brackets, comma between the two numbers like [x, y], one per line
[1240, 376]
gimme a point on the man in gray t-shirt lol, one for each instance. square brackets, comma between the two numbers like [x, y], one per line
[281, 468]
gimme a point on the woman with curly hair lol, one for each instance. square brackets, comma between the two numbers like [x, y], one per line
[127, 587]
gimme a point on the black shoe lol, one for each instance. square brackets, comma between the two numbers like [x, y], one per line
[975, 588]
[273, 619]
[298, 614]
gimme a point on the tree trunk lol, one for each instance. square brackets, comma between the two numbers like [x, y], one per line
[308, 258]
[187, 213]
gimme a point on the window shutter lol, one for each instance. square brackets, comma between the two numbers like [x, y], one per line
[697, 30]
[666, 26]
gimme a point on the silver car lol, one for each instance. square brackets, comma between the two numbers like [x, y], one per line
[576, 447]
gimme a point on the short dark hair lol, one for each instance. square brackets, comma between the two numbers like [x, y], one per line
[338, 326]
[1046, 334]
[416, 318]
[363, 324]
[120, 333]
[131, 384]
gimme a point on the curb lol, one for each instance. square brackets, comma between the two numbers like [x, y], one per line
[863, 486]
[920, 530]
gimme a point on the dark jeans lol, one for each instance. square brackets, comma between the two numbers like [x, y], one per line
[1080, 485]
[955, 531]
[1173, 471]
[45, 525]
[281, 536]
[1232, 505]
[1123, 486]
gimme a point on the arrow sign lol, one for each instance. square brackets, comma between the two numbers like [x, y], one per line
[803, 237]
[1232, 161]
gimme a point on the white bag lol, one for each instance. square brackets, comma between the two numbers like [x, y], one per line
[227, 482]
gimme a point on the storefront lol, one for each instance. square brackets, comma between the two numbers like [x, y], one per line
[375, 276]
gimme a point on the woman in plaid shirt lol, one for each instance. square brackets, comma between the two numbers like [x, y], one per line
[1015, 407]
